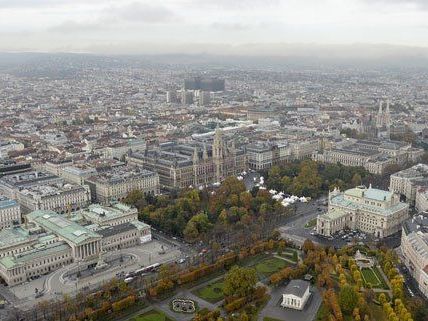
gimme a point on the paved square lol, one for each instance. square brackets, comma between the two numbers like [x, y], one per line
[274, 310]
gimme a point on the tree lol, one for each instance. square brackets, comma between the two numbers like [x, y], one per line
[308, 245]
[348, 299]
[356, 180]
[308, 182]
[240, 281]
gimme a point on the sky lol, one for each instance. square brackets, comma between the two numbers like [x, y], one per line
[209, 26]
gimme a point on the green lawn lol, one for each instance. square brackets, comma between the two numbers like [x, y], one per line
[152, 315]
[377, 312]
[374, 277]
[213, 292]
[311, 223]
[290, 254]
[270, 266]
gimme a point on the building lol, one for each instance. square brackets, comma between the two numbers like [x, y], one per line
[383, 120]
[408, 181]
[78, 173]
[9, 146]
[255, 114]
[421, 199]
[263, 155]
[414, 249]
[187, 97]
[203, 83]
[37, 190]
[54, 167]
[374, 155]
[124, 235]
[11, 184]
[113, 215]
[204, 98]
[181, 166]
[60, 197]
[119, 150]
[10, 212]
[115, 184]
[9, 167]
[296, 294]
[369, 210]
[171, 97]
[47, 241]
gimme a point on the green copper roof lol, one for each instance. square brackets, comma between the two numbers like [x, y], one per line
[370, 193]
[67, 230]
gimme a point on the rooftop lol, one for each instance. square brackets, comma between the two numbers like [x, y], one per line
[121, 174]
[6, 202]
[369, 193]
[96, 212]
[13, 235]
[61, 226]
[297, 288]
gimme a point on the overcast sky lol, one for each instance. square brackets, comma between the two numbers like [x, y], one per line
[206, 25]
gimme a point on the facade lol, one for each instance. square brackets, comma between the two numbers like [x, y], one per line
[115, 185]
[370, 210]
[408, 181]
[55, 167]
[187, 97]
[181, 166]
[204, 98]
[60, 197]
[383, 120]
[8, 167]
[48, 241]
[38, 190]
[296, 294]
[77, 174]
[120, 150]
[375, 156]
[124, 235]
[10, 212]
[421, 199]
[414, 249]
[263, 155]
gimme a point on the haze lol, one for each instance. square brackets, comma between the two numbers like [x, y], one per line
[222, 26]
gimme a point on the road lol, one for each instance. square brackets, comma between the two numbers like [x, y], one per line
[293, 227]
[56, 284]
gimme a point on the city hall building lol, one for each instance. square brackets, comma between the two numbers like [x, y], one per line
[184, 165]
[369, 210]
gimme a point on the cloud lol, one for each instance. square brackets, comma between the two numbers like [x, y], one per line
[70, 26]
[116, 16]
[416, 4]
[36, 4]
[140, 12]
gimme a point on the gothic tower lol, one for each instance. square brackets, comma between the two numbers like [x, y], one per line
[218, 153]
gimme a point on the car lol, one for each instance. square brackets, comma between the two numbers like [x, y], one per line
[312, 233]
[181, 261]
